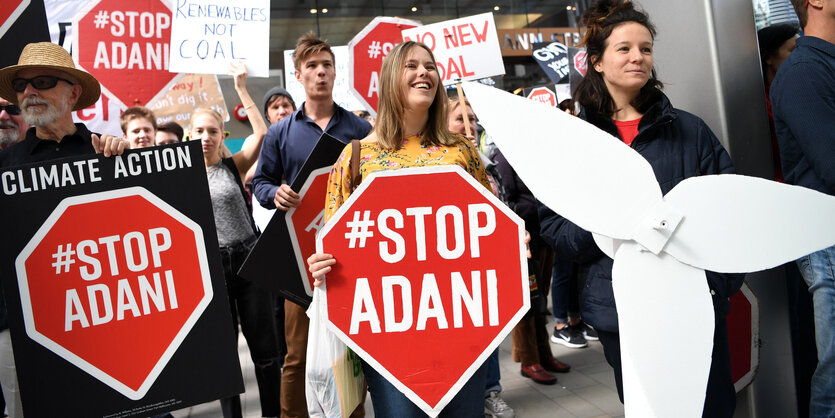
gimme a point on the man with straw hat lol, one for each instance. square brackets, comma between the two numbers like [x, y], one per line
[47, 87]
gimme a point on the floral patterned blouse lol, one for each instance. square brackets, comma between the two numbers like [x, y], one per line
[414, 152]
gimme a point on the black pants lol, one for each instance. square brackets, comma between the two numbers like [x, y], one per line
[252, 307]
[720, 398]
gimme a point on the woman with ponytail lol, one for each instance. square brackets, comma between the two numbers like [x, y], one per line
[621, 95]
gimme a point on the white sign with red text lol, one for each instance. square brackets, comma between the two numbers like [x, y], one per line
[431, 267]
[465, 49]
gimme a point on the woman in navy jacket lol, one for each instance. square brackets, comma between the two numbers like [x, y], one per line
[621, 95]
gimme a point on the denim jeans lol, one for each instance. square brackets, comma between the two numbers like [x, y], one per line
[390, 402]
[565, 297]
[253, 307]
[818, 270]
[493, 374]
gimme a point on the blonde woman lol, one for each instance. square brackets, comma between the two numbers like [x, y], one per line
[236, 234]
[411, 131]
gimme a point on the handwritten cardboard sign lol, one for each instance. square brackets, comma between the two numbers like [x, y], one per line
[206, 35]
[193, 91]
[465, 48]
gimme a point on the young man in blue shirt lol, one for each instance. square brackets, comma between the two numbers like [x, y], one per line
[286, 147]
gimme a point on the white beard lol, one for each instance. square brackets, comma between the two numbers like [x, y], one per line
[44, 117]
[9, 134]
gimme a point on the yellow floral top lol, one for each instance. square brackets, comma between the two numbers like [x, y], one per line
[414, 153]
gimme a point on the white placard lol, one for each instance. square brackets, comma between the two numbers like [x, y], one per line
[207, 34]
[341, 91]
[465, 49]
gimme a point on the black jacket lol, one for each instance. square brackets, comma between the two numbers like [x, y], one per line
[677, 145]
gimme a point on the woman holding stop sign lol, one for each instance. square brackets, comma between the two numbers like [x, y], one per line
[411, 131]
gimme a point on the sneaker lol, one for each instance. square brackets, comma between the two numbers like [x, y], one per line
[570, 337]
[588, 332]
[496, 407]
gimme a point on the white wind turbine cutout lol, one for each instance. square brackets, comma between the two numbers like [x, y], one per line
[661, 245]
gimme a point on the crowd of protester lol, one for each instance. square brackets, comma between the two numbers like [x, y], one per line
[417, 124]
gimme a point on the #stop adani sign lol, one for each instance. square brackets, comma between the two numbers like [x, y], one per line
[125, 45]
[431, 276]
[365, 57]
[543, 95]
[114, 283]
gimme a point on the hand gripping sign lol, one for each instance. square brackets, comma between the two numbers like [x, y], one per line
[436, 275]
[113, 282]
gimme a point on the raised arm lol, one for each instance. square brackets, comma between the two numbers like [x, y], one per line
[248, 155]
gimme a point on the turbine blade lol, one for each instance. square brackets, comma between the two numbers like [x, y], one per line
[662, 377]
[576, 169]
[737, 224]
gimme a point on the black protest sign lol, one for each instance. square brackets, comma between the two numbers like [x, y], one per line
[115, 291]
[277, 261]
[552, 57]
[21, 22]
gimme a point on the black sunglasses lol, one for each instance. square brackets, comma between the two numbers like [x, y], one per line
[11, 109]
[41, 82]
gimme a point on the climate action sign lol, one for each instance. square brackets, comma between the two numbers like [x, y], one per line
[115, 293]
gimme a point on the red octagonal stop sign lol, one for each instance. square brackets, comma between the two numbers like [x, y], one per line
[114, 295]
[431, 276]
[365, 56]
[306, 219]
[543, 95]
[125, 45]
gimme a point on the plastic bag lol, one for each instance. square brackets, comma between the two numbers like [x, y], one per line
[334, 382]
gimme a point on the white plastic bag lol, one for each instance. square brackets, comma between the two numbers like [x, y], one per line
[334, 382]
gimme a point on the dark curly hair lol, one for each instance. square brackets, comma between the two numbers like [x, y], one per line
[600, 20]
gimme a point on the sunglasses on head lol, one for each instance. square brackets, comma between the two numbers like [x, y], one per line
[41, 82]
[11, 109]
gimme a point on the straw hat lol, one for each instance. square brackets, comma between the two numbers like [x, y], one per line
[53, 56]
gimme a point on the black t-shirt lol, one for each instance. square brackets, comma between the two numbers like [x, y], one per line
[33, 149]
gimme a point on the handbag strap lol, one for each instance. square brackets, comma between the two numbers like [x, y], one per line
[355, 164]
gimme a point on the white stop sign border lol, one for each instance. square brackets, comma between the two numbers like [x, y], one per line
[433, 410]
[26, 302]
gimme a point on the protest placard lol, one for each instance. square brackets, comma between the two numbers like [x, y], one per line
[206, 35]
[116, 316]
[552, 57]
[464, 49]
[122, 41]
[193, 91]
[427, 258]
[290, 236]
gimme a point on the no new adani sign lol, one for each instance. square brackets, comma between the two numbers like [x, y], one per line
[431, 267]
[125, 45]
[115, 294]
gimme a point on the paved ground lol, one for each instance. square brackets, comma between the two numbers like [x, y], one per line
[587, 391]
